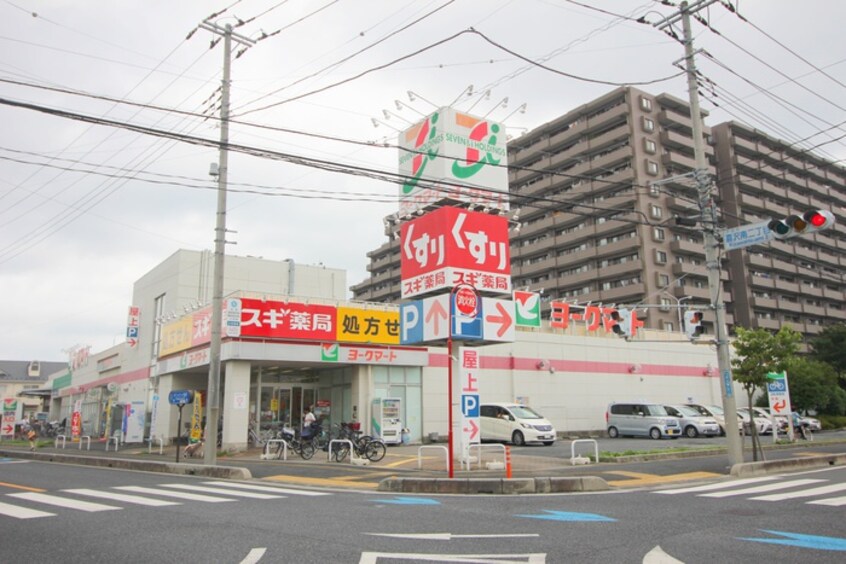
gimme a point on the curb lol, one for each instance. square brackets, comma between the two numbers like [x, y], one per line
[225, 472]
[774, 466]
[506, 486]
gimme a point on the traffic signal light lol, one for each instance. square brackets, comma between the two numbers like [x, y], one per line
[809, 222]
[693, 324]
[623, 325]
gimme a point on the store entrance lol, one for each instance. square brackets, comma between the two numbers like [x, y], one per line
[282, 404]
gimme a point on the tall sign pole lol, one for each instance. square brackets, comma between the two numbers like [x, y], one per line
[213, 389]
[709, 224]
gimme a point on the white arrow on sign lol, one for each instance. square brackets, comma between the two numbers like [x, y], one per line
[448, 536]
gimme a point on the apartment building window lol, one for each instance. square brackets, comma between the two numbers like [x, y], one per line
[652, 168]
[648, 125]
[658, 234]
[665, 304]
[669, 327]
[660, 257]
[654, 190]
[645, 104]
[655, 211]
[663, 280]
[650, 146]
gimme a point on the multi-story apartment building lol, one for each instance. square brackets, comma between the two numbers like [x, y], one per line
[797, 281]
[600, 191]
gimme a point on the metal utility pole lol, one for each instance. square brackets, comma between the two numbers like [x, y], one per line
[213, 389]
[709, 224]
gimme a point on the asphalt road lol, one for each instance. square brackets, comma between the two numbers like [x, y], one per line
[789, 518]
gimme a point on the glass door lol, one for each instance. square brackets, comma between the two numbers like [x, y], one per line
[283, 402]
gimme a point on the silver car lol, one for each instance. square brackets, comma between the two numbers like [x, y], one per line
[692, 422]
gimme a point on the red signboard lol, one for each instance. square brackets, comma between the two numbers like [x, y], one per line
[281, 320]
[451, 246]
[466, 301]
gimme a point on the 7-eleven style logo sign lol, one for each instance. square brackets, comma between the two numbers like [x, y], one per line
[456, 156]
[329, 352]
[527, 309]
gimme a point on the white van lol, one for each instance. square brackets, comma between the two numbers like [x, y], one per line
[518, 424]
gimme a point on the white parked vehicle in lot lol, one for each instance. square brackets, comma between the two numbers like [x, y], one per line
[692, 422]
[640, 420]
[762, 424]
[514, 423]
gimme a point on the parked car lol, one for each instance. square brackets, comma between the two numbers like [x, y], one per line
[515, 423]
[693, 423]
[781, 420]
[762, 423]
[713, 411]
[641, 420]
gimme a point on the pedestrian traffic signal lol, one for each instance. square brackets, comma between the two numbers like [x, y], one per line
[623, 325]
[693, 324]
[809, 222]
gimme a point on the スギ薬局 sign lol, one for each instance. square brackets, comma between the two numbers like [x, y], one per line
[452, 246]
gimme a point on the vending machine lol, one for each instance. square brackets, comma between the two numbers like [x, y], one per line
[386, 419]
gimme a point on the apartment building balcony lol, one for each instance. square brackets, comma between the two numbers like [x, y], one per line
[812, 329]
[764, 303]
[568, 136]
[676, 140]
[771, 189]
[750, 201]
[537, 186]
[534, 269]
[751, 146]
[518, 177]
[615, 158]
[830, 294]
[764, 323]
[609, 137]
[809, 309]
[699, 294]
[785, 267]
[616, 114]
[759, 261]
[688, 269]
[617, 270]
[673, 120]
[762, 282]
[688, 247]
[536, 247]
[787, 287]
[833, 312]
[808, 290]
[787, 305]
[388, 275]
[795, 179]
[622, 294]
[571, 153]
[824, 256]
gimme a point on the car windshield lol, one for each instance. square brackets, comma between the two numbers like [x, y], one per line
[687, 411]
[523, 412]
[656, 410]
[716, 410]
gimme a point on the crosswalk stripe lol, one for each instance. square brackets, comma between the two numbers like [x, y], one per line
[717, 486]
[123, 497]
[221, 491]
[266, 488]
[171, 493]
[22, 512]
[832, 502]
[764, 488]
[64, 502]
[822, 490]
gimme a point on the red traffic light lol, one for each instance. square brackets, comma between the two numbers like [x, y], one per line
[809, 222]
[817, 219]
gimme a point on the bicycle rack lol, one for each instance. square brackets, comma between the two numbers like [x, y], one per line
[266, 454]
[573, 450]
[150, 444]
[87, 438]
[469, 459]
[441, 447]
[64, 439]
[333, 441]
[114, 438]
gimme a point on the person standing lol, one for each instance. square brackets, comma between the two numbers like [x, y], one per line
[308, 418]
[31, 435]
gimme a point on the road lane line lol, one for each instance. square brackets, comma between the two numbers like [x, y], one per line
[822, 490]
[764, 488]
[639, 479]
[325, 482]
[19, 487]
[221, 491]
[22, 512]
[273, 489]
[831, 502]
[171, 493]
[123, 497]
[64, 502]
[718, 486]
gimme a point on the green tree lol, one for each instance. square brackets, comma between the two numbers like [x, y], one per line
[757, 353]
[830, 346]
[811, 383]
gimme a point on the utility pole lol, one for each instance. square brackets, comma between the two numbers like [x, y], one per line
[213, 389]
[709, 224]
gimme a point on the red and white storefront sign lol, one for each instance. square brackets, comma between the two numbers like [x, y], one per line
[452, 246]
[281, 320]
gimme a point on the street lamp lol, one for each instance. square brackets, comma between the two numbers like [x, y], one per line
[678, 306]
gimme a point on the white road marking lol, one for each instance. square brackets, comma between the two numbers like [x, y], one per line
[717, 486]
[266, 488]
[822, 490]
[123, 497]
[221, 491]
[764, 488]
[831, 502]
[254, 556]
[171, 493]
[22, 512]
[64, 502]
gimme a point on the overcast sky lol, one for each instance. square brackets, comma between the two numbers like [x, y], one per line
[87, 209]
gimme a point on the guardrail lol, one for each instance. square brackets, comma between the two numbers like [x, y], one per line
[441, 447]
[87, 438]
[573, 450]
[333, 441]
[266, 454]
[64, 440]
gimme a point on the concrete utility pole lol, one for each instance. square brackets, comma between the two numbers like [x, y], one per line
[709, 225]
[213, 389]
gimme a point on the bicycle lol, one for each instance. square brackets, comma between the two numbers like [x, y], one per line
[364, 446]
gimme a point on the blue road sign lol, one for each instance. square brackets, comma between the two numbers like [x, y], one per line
[180, 397]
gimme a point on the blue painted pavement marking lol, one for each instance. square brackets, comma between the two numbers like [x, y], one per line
[803, 541]
[569, 516]
[409, 501]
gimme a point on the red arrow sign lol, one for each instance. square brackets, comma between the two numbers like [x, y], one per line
[8, 429]
[436, 312]
[474, 429]
[504, 319]
[779, 406]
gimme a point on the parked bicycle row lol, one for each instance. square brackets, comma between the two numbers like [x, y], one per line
[343, 438]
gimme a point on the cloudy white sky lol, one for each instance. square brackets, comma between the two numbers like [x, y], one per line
[87, 209]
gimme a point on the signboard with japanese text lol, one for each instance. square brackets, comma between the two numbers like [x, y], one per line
[133, 322]
[594, 317]
[498, 320]
[451, 155]
[427, 321]
[10, 412]
[232, 317]
[779, 393]
[424, 320]
[452, 246]
[470, 424]
[187, 332]
[358, 325]
[287, 320]
[747, 235]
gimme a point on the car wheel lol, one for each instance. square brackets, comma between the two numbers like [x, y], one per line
[548, 443]
[518, 439]
[691, 432]
[613, 433]
[655, 433]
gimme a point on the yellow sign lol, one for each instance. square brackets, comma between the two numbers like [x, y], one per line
[274, 405]
[176, 336]
[197, 419]
[368, 326]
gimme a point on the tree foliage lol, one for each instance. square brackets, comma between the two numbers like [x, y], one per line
[758, 352]
[830, 346]
[811, 383]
